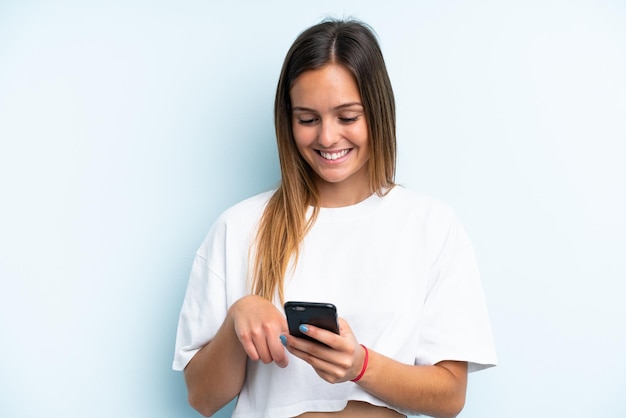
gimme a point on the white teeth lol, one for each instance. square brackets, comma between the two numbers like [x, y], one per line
[334, 155]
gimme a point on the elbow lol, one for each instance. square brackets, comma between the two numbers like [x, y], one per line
[452, 408]
[453, 395]
[208, 401]
[207, 404]
[205, 408]
[445, 407]
[453, 413]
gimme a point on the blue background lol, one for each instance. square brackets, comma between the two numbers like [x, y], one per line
[126, 127]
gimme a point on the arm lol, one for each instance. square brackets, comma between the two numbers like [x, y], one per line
[437, 390]
[215, 375]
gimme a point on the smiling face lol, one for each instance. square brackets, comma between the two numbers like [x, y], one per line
[331, 133]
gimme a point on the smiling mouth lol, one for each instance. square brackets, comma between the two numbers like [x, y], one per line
[334, 155]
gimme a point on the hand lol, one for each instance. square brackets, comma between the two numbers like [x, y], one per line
[258, 325]
[339, 361]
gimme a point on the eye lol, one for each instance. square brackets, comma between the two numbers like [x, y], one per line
[349, 120]
[307, 121]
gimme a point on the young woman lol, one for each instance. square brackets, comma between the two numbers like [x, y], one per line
[398, 265]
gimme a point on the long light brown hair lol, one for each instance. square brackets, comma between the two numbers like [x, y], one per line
[284, 222]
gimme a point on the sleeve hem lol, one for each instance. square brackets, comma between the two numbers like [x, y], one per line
[183, 358]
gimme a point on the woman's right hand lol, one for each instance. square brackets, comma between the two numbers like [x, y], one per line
[259, 325]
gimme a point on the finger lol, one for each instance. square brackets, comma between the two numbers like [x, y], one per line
[278, 352]
[335, 362]
[258, 324]
[253, 342]
[318, 355]
[312, 348]
[325, 367]
[275, 347]
[324, 336]
[344, 327]
[261, 344]
[248, 345]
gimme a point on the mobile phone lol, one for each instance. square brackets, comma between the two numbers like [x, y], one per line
[322, 315]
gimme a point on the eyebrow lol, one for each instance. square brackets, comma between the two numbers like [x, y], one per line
[340, 107]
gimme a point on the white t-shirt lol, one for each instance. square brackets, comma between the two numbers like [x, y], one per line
[400, 269]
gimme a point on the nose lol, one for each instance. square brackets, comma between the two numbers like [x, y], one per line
[328, 135]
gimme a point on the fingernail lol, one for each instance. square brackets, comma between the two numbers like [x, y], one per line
[283, 340]
[304, 329]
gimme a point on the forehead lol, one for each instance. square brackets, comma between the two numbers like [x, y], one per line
[331, 85]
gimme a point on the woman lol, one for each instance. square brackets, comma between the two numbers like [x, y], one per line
[397, 265]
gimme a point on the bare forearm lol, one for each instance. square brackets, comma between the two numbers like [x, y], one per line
[216, 373]
[438, 391]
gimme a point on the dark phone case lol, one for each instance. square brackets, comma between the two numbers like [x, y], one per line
[322, 315]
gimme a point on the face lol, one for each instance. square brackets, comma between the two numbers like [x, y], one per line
[330, 131]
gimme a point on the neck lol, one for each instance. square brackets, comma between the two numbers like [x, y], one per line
[340, 195]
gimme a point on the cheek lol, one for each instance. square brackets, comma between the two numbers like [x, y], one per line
[359, 135]
[303, 137]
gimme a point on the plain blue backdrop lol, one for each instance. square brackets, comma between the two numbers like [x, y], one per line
[126, 127]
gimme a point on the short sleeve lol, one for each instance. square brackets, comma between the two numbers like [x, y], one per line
[455, 324]
[204, 307]
[218, 277]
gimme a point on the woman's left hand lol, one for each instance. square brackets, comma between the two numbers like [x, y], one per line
[340, 360]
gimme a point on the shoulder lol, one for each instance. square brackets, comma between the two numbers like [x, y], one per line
[247, 208]
[418, 204]
[237, 224]
[433, 218]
